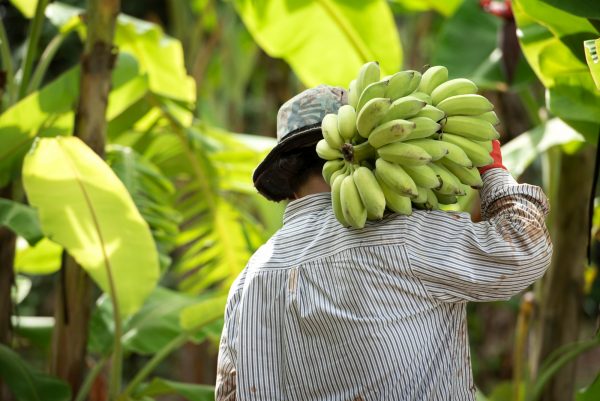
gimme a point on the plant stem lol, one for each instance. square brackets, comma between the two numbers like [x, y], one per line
[89, 379]
[154, 362]
[46, 58]
[7, 64]
[35, 31]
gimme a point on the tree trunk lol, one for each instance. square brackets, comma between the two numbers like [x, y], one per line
[74, 301]
[562, 296]
[7, 256]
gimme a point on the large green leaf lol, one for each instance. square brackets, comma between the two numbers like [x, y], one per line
[49, 111]
[84, 207]
[189, 391]
[153, 194]
[444, 7]
[582, 8]
[27, 7]
[325, 41]
[552, 41]
[21, 219]
[27, 384]
[478, 60]
[194, 317]
[159, 55]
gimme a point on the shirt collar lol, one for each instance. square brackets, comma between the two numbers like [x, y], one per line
[306, 204]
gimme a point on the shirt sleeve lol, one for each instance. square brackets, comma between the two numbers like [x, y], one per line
[226, 383]
[458, 260]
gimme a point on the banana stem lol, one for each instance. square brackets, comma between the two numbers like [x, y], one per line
[362, 152]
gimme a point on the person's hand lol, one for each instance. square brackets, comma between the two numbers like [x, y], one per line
[496, 155]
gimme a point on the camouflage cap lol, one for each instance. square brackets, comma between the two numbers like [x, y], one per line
[309, 108]
[298, 126]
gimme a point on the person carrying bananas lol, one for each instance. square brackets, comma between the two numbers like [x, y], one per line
[330, 313]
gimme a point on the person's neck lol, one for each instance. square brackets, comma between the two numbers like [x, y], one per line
[314, 185]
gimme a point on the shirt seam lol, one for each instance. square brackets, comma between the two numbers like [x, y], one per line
[330, 254]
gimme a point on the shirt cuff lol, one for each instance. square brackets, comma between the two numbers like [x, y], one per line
[498, 183]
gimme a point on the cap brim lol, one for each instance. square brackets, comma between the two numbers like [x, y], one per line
[264, 176]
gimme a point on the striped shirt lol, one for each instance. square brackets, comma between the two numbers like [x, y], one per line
[327, 313]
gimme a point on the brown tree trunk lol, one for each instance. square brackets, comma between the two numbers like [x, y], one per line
[74, 301]
[562, 287]
[7, 257]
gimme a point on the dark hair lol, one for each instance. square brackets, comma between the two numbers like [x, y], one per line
[291, 171]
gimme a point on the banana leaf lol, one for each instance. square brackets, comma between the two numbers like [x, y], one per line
[84, 207]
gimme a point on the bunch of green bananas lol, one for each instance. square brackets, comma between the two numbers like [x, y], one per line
[405, 140]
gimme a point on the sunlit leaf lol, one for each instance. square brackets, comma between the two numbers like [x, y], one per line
[21, 289]
[519, 153]
[354, 31]
[196, 316]
[84, 207]
[28, 384]
[444, 7]
[582, 8]
[21, 219]
[552, 41]
[43, 258]
[189, 391]
[26, 7]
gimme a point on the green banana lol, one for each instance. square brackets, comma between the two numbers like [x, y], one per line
[342, 171]
[336, 201]
[327, 152]
[402, 83]
[435, 149]
[476, 151]
[394, 201]
[374, 90]
[450, 184]
[457, 155]
[422, 96]
[458, 86]
[432, 78]
[352, 207]
[403, 108]
[353, 94]
[368, 73]
[423, 176]
[422, 196]
[470, 127]
[395, 177]
[465, 105]
[347, 122]
[431, 202]
[468, 176]
[490, 117]
[431, 112]
[424, 128]
[371, 114]
[370, 192]
[445, 199]
[329, 128]
[389, 132]
[330, 167]
[404, 153]
[487, 145]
